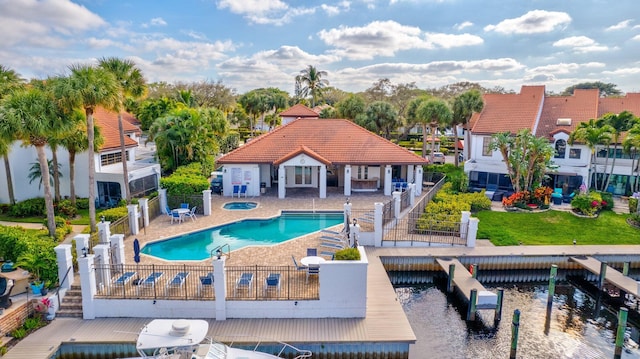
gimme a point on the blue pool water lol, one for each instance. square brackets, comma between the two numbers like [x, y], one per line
[248, 232]
[234, 206]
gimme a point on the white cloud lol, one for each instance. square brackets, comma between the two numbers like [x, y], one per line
[463, 25]
[564, 68]
[636, 38]
[333, 10]
[265, 12]
[581, 44]
[447, 41]
[619, 26]
[158, 21]
[533, 22]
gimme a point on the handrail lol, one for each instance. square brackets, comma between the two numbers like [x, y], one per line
[214, 252]
[300, 353]
[62, 281]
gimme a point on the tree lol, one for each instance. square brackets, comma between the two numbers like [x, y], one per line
[433, 112]
[36, 174]
[9, 81]
[592, 133]
[350, 107]
[381, 117]
[152, 109]
[620, 123]
[311, 82]
[88, 87]
[464, 106]
[33, 116]
[631, 144]
[132, 85]
[606, 89]
[260, 101]
[412, 119]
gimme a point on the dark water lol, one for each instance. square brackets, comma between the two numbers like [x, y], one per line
[576, 329]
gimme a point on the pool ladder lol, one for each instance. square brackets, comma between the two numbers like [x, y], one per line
[219, 251]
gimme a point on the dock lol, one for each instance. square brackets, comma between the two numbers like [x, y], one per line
[612, 276]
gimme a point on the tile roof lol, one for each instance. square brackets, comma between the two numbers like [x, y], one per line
[630, 102]
[580, 107]
[298, 110]
[108, 123]
[335, 140]
[509, 112]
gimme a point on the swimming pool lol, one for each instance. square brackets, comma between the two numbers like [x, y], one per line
[235, 206]
[247, 232]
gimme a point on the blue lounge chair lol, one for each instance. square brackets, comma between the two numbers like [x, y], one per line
[124, 278]
[206, 281]
[176, 282]
[272, 282]
[243, 191]
[236, 191]
[150, 281]
[244, 282]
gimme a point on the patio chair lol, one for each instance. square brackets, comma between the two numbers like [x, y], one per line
[124, 278]
[312, 269]
[176, 282]
[184, 205]
[206, 281]
[236, 191]
[192, 214]
[244, 282]
[296, 265]
[312, 252]
[272, 282]
[150, 281]
[6, 285]
[169, 214]
[243, 191]
[175, 216]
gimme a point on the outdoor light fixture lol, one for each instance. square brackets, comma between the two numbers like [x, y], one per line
[347, 200]
[85, 251]
[102, 219]
[355, 222]
[219, 253]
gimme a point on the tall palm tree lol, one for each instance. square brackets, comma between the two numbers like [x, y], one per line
[592, 133]
[620, 123]
[132, 84]
[88, 87]
[434, 112]
[464, 106]
[9, 81]
[310, 82]
[34, 117]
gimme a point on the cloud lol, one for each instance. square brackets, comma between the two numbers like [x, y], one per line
[264, 12]
[333, 10]
[463, 25]
[533, 22]
[156, 21]
[580, 44]
[563, 68]
[619, 26]
[385, 38]
[636, 38]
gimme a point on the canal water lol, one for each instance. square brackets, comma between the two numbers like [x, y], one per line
[578, 327]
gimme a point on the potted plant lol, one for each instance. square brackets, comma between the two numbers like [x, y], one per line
[31, 262]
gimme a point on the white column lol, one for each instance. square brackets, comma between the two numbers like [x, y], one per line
[65, 263]
[206, 202]
[464, 224]
[117, 248]
[144, 209]
[354, 234]
[419, 179]
[397, 197]
[377, 224]
[101, 257]
[88, 285]
[411, 187]
[104, 231]
[282, 174]
[82, 241]
[220, 286]
[323, 181]
[410, 173]
[387, 180]
[132, 210]
[473, 232]
[347, 180]
[162, 193]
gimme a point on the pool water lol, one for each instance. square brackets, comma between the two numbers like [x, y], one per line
[235, 206]
[248, 232]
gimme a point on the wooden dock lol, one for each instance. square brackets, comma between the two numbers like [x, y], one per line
[629, 285]
[464, 281]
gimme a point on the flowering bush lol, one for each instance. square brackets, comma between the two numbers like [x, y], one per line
[589, 203]
[540, 196]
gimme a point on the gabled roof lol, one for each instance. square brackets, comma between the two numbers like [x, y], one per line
[630, 102]
[108, 123]
[509, 112]
[335, 140]
[302, 150]
[580, 107]
[298, 110]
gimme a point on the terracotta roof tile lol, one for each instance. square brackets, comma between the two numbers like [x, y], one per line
[108, 123]
[580, 107]
[630, 102]
[509, 112]
[302, 149]
[336, 140]
[298, 110]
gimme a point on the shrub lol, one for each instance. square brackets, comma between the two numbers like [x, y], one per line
[633, 205]
[63, 227]
[66, 209]
[347, 254]
[27, 208]
[186, 180]
[82, 203]
[19, 333]
[114, 214]
[33, 323]
[588, 204]
[607, 200]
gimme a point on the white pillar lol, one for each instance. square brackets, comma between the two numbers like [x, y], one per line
[82, 241]
[410, 173]
[419, 179]
[65, 265]
[220, 286]
[104, 231]
[387, 180]
[162, 193]
[347, 180]
[144, 209]
[101, 265]
[354, 234]
[117, 248]
[411, 187]
[132, 210]
[323, 181]
[206, 202]
[473, 232]
[397, 197]
[88, 285]
[464, 224]
[377, 224]
[282, 178]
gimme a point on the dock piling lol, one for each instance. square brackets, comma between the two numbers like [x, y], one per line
[452, 270]
[473, 298]
[603, 274]
[515, 326]
[622, 325]
[474, 271]
[552, 286]
[497, 316]
[625, 268]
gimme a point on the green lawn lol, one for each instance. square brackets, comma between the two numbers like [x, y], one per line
[82, 218]
[555, 228]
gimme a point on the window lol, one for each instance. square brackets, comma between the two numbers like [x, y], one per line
[486, 146]
[561, 148]
[141, 187]
[111, 158]
[363, 172]
[575, 153]
[303, 175]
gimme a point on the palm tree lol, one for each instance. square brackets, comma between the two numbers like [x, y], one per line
[413, 119]
[88, 87]
[464, 106]
[631, 144]
[433, 112]
[381, 116]
[592, 133]
[34, 117]
[132, 84]
[9, 81]
[35, 174]
[310, 82]
[620, 123]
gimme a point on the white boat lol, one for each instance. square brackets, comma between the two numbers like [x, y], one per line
[187, 339]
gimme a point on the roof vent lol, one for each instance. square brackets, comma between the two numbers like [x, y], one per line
[563, 122]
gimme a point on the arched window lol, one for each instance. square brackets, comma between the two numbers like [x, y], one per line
[561, 148]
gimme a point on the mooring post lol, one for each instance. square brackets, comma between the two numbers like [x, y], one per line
[603, 274]
[474, 271]
[497, 317]
[471, 311]
[552, 286]
[452, 271]
[625, 268]
[622, 325]
[515, 326]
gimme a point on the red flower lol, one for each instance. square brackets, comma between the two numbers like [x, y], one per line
[603, 203]
[594, 203]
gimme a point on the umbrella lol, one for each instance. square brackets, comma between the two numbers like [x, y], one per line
[347, 228]
[136, 250]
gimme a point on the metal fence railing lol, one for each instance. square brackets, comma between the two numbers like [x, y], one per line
[404, 200]
[364, 218]
[294, 284]
[415, 228]
[194, 200]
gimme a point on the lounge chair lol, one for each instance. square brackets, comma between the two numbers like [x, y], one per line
[124, 278]
[243, 191]
[6, 285]
[272, 282]
[236, 191]
[206, 281]
[150, 281]
[192, 214]
[244, 282]
[312, 252]
[332, 245]
[296, 265]
[176, 282]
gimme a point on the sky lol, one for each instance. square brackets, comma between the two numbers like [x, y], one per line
[249, 44]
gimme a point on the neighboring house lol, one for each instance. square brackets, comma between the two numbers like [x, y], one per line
[144, 176]
[551, 117]
[308, 152]
[297, 111]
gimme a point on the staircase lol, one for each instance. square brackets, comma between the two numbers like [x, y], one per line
[71, 305]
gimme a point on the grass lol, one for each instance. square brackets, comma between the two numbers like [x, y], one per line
[555, 228]
[82, 218]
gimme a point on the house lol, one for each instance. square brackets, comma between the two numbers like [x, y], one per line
[143, 174]
[297, 111]
[554, 118]
[308, 152]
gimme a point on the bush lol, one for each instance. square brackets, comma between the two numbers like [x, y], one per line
[588, 204]
[63, 227]
[82, 203]
[347, 254]
[28, 208]
[186, 180]
[114, 214]
[19, 333]
[607, 199]
[633, 205]
[66, 209]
